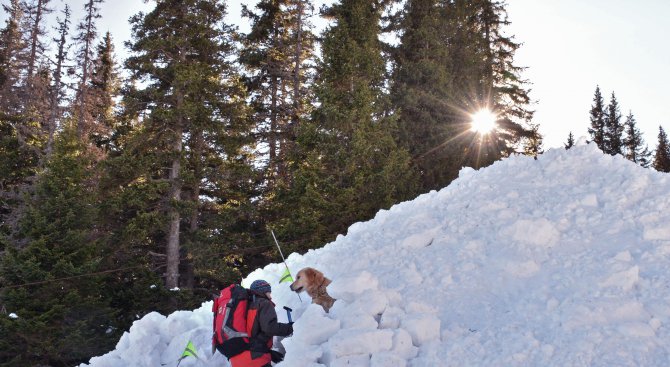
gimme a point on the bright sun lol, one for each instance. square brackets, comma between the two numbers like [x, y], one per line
[483, 121]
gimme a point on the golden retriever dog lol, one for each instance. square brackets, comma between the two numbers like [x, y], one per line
[314, 283]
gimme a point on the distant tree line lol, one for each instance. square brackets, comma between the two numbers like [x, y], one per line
[615, 136]
[121, 182]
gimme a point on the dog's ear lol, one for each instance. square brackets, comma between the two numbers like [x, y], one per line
[317, 276]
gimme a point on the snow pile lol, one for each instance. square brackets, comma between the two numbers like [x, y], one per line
[560, 261]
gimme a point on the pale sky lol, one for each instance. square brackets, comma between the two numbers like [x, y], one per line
[569, 47]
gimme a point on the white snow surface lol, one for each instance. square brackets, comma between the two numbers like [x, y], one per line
[559, 261]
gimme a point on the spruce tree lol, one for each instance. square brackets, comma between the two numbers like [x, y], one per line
[193, 142]
[571, 141]
[421, 91]
[275, 54]
[597, 116]
[634, 148]
[36, 10]
[57, 92]
[60, 322]
[87, 33]
[103, 88]
[613, 128]
[662, 155]
[351, 165]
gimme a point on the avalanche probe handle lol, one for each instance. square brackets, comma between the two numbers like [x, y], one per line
[288, 313]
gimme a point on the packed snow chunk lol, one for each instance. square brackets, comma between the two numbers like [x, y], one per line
[387, 359]
[637, 330]
[420, 240]
[590, 200]
[314, 327]
[661, 232]
[299, 355]
[422, 328]
[353, 342]
[535, 232]
[371, 303]
[625, 280]
[349, 288]
[402, 344]
[391, 318]
[358, 321]
[352, 361]
[624, 256]
[523, 270]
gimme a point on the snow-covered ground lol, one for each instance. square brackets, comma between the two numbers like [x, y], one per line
[560, 261]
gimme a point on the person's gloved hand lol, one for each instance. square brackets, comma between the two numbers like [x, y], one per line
[276, 356]
[290, 328]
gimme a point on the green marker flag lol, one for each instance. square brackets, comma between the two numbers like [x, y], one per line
[286, 277]
[189, 351]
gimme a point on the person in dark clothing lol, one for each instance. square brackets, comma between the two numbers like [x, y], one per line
[265, 327]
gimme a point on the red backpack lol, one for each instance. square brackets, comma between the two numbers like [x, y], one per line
[231, 326]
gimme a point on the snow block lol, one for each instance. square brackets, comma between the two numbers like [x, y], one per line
[387, 359]
[349, 288]
[352, 361]
[314, 327]
[422, 328]
[402, 344]
[353, 342]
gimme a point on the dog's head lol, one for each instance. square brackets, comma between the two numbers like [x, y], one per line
[307, 279]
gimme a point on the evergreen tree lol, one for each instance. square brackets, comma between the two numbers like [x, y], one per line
[597, 116]
[57, 92]
[276, 49]
[662, 156]
[533, 146]
[36, 10]
[87, 33]
[194, 134]
[351, 166]
[571, 141]
[20, 145]
[613, 128]
[421, 90]
[454, 60]
[60, 323]
[103, 88]
[12, 58]
[634, 147]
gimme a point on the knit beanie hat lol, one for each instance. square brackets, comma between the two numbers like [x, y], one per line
[260, 286]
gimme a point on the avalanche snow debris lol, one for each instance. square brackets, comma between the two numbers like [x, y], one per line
[560, 261]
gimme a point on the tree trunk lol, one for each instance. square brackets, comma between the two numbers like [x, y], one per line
[172, 273]
[34, 37]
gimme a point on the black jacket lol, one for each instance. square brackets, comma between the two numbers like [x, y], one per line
[265, 326]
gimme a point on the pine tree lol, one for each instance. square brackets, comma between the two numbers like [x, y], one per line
[60, 323]
[36, 10]
[103, 88]
[57, 93]
[86, 37]
[275, 52]
[421, 90]
[12, 58]
[662, 156]
[351, 166]
[533, 145]
[613, 128]
[497, 85]
[194, 135]
[597, 115]
[634, 148]
[571, 141]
